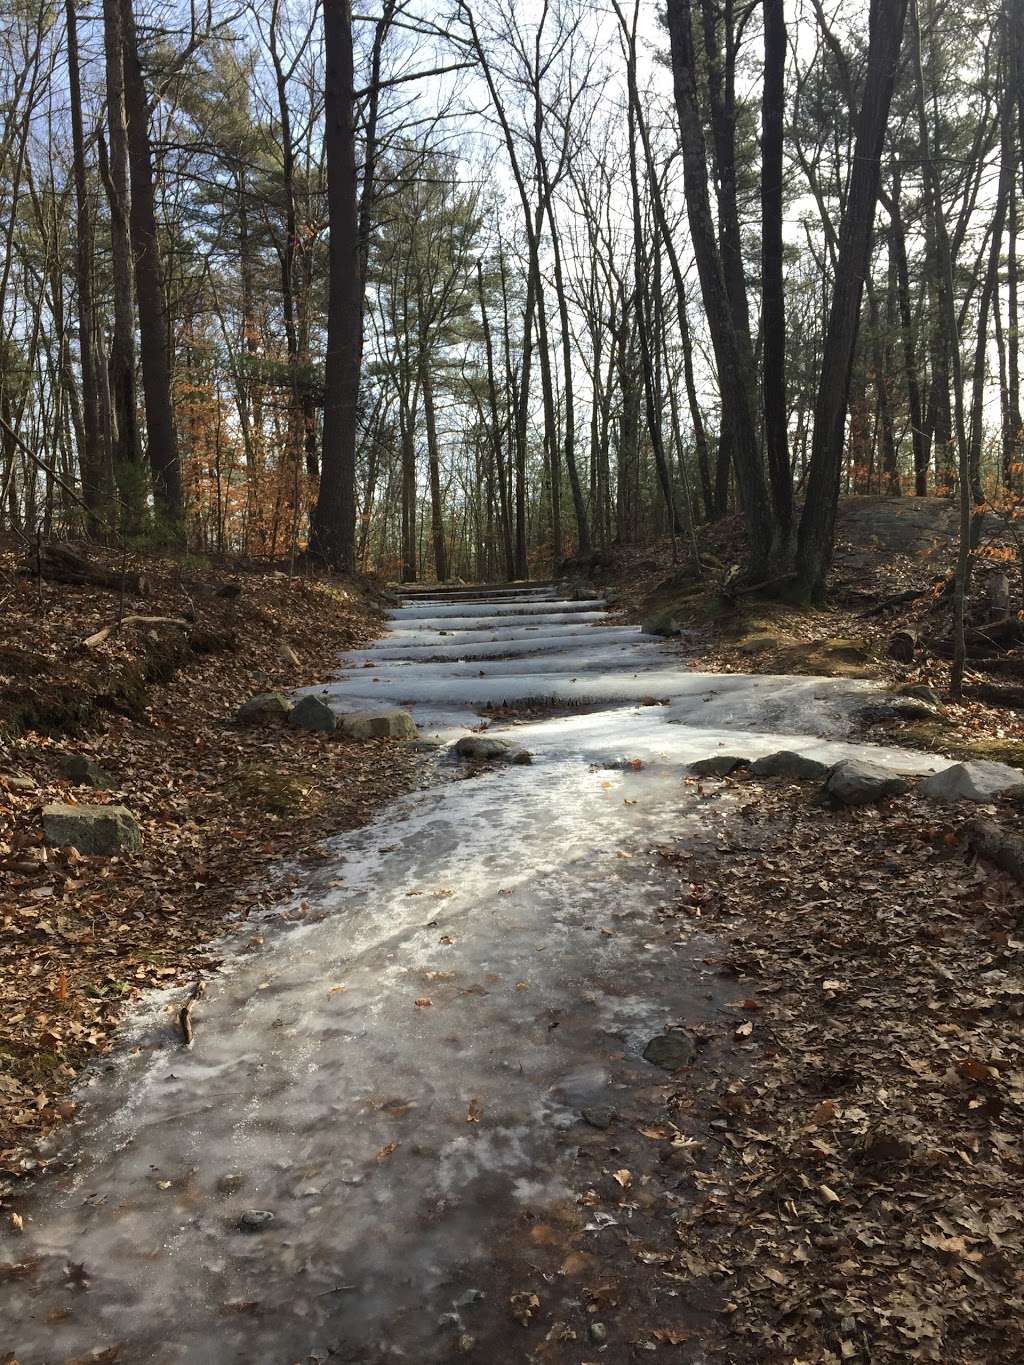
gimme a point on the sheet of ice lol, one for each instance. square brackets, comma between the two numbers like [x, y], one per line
[448, 964]
[616, 738]
[501, 646]
[455, 611]
[790, 705]
[562, 614]
[597, 658]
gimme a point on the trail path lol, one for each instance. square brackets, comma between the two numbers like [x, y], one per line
[396, 1064]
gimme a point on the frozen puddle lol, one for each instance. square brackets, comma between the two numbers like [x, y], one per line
[397, 1071]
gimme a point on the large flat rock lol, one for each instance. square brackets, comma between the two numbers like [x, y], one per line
[393, 723]
[91, 829]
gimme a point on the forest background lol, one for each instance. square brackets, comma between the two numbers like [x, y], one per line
[601, 273]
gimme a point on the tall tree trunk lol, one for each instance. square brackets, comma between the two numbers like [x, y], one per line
[409, 574]
[1013, 340]
[522, 419]
[93, 458]
[733, 359]
[817, 525]
[494, 433]
[773, 305]
[644, 331]
[579, 505]
[886, 428]
[943, 259]
[162, 442]
[700, 439]
[898, 256]
[434, 468]
[332, 536]
[125, 449]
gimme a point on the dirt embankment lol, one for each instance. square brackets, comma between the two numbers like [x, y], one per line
[147, 713]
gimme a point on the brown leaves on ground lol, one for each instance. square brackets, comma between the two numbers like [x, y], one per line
[218, 804]
[863, 1196]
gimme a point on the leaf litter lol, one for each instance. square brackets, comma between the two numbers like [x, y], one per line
[858, 1191]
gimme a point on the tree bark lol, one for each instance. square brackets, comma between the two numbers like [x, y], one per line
[817, 525]
[773, 299]
[125, 449]
[154, 333]
[332, 535]
[735, 378]
[898, 255]
[578, 503]
[434, 467]
[93, 461]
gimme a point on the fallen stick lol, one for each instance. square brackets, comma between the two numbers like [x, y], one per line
[185, 1014]
[105, 632]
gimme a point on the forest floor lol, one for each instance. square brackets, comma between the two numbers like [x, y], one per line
[220, 805]
[440, 1036]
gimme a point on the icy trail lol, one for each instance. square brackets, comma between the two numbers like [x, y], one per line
[396, 1068]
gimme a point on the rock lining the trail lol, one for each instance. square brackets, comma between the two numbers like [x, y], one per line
[718, 765]
[855, 782]
[489, 749]
[85, 772]
[796, 766]
[267, 708]
[671, 1051]
[102, 830]
[972, 782]
[313, 714]
[391, 724]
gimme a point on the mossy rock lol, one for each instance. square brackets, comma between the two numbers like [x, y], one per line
[831, 658]
[757, 643]
[126, 692]
[22, 663]
[272, 790]
[1009, 751]
[934, 737]
[57, 709]
[665, 623]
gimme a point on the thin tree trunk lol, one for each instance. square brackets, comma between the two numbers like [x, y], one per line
[1013, 340]
[886, 428]
[93, 462]
[434, 468]
[504, 517]
[817, 525]
[898, 255]
[773, 305]
[951, 338]
[125, 449]
[579, 505]
[162, 442]
[732, 357]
